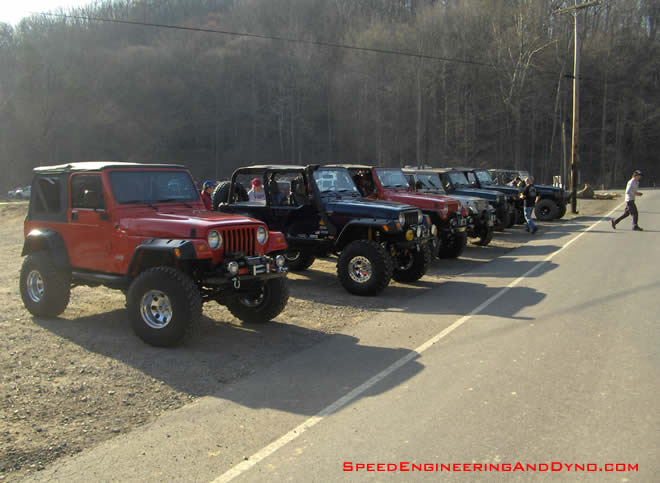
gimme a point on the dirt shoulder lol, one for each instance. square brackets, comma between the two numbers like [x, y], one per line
[69, 383]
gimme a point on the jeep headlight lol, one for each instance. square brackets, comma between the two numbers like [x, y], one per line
[215, 240]
[419, 231]
[262, 235]
[402, 219]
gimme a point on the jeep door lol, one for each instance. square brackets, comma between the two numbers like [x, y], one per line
[294, 213]
[90, 231]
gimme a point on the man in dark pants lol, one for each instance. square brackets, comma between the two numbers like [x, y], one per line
[631, 208]
[530, 197]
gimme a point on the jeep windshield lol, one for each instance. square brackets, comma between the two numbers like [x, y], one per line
[152, 186]
[391, 178]
[430, 182]
[484, 177]
[335, 181]
[458, 179]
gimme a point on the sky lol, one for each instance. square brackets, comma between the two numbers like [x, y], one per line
[12, 11]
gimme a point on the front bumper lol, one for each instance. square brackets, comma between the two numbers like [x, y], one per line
[421, 235]
[252, 271]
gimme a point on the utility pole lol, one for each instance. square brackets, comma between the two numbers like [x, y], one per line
[576, 95]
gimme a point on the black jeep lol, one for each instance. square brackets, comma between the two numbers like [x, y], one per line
[321, 212]
[552, 200]
[480, 178]
[454, 181]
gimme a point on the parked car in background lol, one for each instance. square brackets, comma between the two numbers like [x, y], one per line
[446, 213]
[455, 182]
[20, 193]
[553, 200]
[481, 218]
[480, 178]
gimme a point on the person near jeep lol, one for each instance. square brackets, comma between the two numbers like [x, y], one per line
[530, 197]
[257, 191]
[207, 190]
[631, 207]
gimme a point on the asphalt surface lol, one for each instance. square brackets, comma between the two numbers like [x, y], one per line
[546, 356]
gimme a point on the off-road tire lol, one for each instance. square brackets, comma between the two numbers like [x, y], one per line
[421, 260]
[379, 260]
[45, 289]
[503, 222]
[275, 293]
[455, 249]
[184, 299]
[298, 261]
[562, 211]
[485, 237]
[221, 194]
[546, 210]
[512, 216]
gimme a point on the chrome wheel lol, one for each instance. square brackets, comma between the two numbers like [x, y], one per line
[292, 256]
[35, 286]
[360, 269]
[156, 309]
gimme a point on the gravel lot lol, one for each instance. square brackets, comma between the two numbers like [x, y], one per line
[67, 384]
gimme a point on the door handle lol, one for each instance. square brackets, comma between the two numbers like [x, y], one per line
[74, 216]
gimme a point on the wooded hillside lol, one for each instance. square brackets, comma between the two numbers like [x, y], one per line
[76, 89]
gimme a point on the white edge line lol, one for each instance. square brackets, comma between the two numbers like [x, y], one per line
[349, 397]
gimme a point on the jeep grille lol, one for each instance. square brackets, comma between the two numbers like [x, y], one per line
[240, 240]
[411, 218]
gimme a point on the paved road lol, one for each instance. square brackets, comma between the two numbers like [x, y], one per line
[548, 354]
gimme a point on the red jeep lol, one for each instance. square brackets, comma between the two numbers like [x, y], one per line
[143, 229]
[446, 213]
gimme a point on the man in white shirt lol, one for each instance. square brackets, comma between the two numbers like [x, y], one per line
[631, 208]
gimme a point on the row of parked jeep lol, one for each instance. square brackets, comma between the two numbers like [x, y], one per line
[143, 229]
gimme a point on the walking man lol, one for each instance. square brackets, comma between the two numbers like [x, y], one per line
[631, 208]
[530, 197]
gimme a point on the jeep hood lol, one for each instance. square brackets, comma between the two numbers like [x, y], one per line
[422, 200]
[508, 190]
[366, 208]
[164, 224]
[489, 195]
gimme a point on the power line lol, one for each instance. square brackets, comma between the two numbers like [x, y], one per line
[317, 43]
[272, 37]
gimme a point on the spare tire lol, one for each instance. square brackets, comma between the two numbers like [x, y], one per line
[221, 194]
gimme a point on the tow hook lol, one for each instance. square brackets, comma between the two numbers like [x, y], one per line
[237, 283]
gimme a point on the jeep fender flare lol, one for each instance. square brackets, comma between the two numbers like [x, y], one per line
[49, 240]
[344, 237]
[160, 251]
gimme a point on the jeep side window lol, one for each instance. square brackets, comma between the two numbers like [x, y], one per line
[87, 192]
[48, 195]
